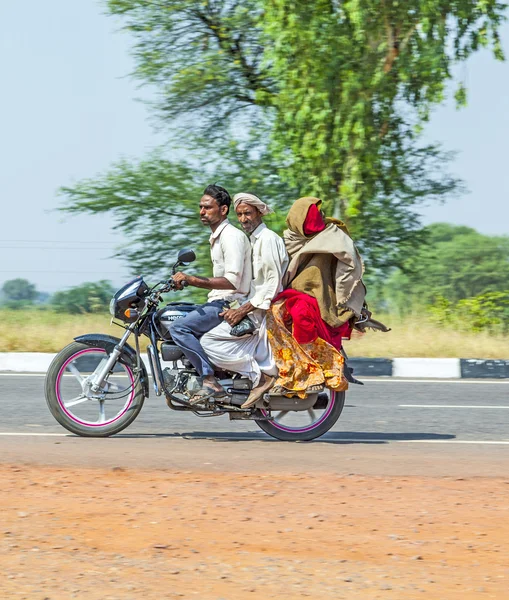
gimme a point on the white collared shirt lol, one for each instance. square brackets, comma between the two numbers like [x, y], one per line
[230, 252]
[270, 261]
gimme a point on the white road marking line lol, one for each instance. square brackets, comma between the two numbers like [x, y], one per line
[9, 374]
[359, 440]
[366, 379]
[453, 441]
[401, 380]
[490, 406]
[33, 434]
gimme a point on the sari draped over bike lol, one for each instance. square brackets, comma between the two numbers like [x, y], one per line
[324, 294]
[302, 366]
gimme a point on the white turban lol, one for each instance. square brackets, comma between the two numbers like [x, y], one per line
[253, 201]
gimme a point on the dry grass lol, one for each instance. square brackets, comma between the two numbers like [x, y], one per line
[45, 331]
[414, 337]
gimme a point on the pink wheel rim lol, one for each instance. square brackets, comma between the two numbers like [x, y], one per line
[73, 417]
[310, 427]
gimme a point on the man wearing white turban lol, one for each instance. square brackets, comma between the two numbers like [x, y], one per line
[252, 200]
[250, 355]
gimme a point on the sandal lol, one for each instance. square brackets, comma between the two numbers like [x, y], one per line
[206, 392]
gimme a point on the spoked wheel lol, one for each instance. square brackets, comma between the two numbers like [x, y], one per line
[80, 410]
[304, 425]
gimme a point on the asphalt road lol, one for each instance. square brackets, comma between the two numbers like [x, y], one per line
[452, 428]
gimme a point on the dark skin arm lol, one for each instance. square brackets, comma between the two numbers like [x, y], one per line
[206, 283]
[233, 315]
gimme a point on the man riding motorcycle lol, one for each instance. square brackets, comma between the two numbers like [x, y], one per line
[231, 258]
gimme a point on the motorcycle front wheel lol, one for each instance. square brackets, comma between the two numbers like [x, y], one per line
[303, 425]
[81, 411]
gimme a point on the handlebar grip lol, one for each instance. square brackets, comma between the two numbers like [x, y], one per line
[185, 283]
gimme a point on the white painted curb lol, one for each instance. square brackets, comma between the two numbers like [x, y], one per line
[438, 368]
[27, 362]
[435, 368]
[32, 362]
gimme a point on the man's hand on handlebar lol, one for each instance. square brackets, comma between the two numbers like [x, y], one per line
[180, 280]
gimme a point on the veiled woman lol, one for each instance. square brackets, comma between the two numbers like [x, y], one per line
[323, 298]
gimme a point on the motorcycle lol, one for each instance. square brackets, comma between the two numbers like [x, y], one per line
[96, 386]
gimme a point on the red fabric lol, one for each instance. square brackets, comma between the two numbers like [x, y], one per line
[307, 322]
[314, 222]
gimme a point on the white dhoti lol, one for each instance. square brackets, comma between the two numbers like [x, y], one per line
[249, 355]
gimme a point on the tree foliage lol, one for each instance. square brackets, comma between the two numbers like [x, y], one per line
[86, 298]
[155, 202]
[356, 79]
[19, 291]
[204, 57]
[455, 264]
[488, 311]
[326, 98]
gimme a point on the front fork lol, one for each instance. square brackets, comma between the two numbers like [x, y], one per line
[99, 378]
[155, 364]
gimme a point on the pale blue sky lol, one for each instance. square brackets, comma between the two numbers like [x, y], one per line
[68, 110]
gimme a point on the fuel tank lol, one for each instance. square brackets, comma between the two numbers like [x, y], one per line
[165, 316]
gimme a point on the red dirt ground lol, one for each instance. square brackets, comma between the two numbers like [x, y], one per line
[132, 534]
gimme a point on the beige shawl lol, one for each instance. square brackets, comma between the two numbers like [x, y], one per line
[326, 265]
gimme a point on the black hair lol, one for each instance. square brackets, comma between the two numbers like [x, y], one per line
[220, 195]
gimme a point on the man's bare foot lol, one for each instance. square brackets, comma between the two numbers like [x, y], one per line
[211, 383]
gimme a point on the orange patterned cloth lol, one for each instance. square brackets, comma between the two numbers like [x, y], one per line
[302, 366]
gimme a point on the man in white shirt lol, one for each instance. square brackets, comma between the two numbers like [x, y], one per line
[231, 258]
[250, 355]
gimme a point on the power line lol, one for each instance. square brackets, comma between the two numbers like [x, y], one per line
[57, 242]
[97, 272]
[53, 248]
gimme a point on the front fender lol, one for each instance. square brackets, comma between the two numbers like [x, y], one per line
[108, 343]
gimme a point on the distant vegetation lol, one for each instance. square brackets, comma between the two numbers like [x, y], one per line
[411, 335]
[19, 294]
[458, 278]
[451, 298]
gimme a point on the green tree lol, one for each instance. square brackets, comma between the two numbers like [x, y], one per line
[205, 57]
[19, 290]
[155, 203]
[330, 97]
[455, 263]
[85, 298]
[356, 81]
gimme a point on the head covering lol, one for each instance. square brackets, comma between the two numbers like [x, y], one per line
[253, 201]
[324, 264]
[298, 213]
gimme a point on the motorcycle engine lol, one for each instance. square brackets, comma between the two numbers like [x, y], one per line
[176, 382]
[192, 385]
[170, 377]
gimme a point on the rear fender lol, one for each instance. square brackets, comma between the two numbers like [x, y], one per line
[108, 343]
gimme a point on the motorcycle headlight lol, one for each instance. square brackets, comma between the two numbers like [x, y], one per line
[112, 307]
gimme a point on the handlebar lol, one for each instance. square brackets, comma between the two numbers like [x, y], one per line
[163, 287]
[169, 286]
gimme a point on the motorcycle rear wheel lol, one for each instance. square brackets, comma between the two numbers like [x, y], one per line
[73, 404]
[316, 426]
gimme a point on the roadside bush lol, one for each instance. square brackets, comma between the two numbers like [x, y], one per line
[486, 312]
[85, 298]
